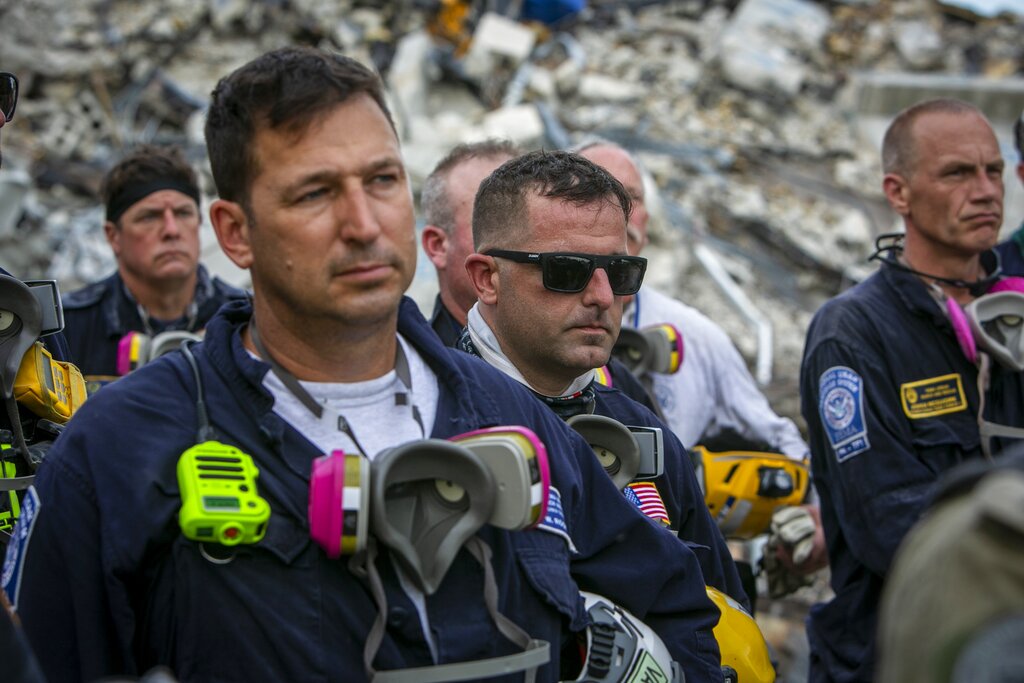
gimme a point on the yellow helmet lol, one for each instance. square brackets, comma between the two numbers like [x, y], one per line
[744, 651]
[743, 488]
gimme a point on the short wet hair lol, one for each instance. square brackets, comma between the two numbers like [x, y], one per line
[499, 212]
[287, 88]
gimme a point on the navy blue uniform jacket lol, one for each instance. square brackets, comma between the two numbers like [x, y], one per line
[1011, 253]
[891, 403]
[98, 315]
[681, 493]
[109, 584]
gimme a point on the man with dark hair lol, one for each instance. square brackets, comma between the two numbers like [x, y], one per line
[1011, 251]
[891, 389]
[152, 225]
[328, 357]
[551, 271]
[447, 204]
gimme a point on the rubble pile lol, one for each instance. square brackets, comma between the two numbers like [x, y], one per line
[752, 118]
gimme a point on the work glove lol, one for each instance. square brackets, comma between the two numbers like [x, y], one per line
[793, 528]
[791, 543]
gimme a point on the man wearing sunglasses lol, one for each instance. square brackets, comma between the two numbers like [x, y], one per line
[551, 273]
[447, 238]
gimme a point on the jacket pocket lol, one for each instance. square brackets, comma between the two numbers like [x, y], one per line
[252, 611]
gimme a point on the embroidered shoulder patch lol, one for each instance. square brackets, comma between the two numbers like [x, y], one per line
[554, 520]
[933, 396]
[645, 496]
[841, 405]
[15, 559]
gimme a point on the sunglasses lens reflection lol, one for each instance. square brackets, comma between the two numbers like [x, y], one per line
[625, 277]
[567, 273]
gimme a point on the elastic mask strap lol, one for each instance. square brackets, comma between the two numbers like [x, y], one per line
[989, 430]
[364, 565]
[536, 653]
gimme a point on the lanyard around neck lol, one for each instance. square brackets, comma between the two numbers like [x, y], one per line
[292, 384]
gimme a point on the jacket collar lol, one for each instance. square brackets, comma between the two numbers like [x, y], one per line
[120, 312]
[467, 406]
[913, 293]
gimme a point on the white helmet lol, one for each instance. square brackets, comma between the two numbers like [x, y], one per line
[622, 648]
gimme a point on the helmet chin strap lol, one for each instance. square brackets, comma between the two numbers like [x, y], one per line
[888, 243]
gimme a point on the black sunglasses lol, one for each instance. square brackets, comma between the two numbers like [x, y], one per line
[8, 94]
[569, 273]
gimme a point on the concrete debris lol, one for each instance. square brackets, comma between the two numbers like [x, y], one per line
[497, 37]
[920, 44]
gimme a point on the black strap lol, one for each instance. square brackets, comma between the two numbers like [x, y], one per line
[292, 384]
[893, 242]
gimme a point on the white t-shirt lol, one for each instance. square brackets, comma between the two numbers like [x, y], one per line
[375, 418]
[369, 407]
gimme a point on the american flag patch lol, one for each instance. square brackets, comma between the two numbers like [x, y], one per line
[644, 494]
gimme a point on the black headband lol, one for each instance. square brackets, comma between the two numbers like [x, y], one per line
[133, 192]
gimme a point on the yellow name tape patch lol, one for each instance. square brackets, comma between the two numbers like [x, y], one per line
[934, 396]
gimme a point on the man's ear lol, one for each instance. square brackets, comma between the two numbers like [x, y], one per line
[483, 273]
[233, 231]
[435, 245]
[113, 236]
[897, 192]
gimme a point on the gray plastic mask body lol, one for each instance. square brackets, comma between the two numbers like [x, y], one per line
[427, 499]
[997, 322]
[614, 445]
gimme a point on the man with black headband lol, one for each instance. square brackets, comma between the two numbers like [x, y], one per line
[890, 376]
[152, 226]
